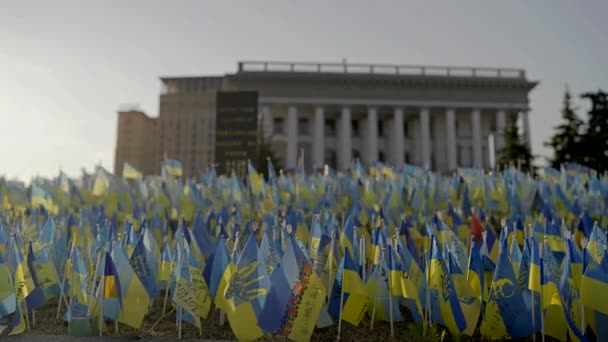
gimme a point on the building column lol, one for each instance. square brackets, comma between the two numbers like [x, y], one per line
[398, 141]
[292, 137]
[476, 125]
[501, 125]
[318, 136]
[345, 139]
[425, 135]
[450, 129]
[371, 143]
[267, 123]
[526, 123]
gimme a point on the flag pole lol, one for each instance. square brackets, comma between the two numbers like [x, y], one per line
[62, 294]
[362, 257]
[341, 306]
[533, 311]
[582, 306]
[71, 299]
[390, 296]
[542, 263]
[331, 265]
[375, 302]
[427, 319]
[101, 286]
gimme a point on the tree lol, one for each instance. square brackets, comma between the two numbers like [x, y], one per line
[566, 141]
[265, 153]
[515, 152]
[595, 139]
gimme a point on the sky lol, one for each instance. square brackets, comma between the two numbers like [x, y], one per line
[66, 67]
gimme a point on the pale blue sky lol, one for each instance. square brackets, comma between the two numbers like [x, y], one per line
[67, 66]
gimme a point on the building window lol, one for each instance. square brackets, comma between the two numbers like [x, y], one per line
[407, 157]
[405, 128]
[381, 156]
[380, 128]
[356, 154]
[279, 126]
[303, 126]
[330, 127]
[355, 128]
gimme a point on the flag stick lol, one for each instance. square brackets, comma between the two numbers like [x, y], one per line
[60, 298]
[171, 270]
[61, 290]
[71, 316]
[92, 286]
[331, 265]
[542, 318]
[101, 286]
[179, 324]
[427, 318]
[33, 317]
[362, 257]
[375, 301]
[533, 311]
[27, 319]
[390, 296]
[341, 306]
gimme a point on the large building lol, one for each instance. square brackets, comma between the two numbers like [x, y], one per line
[440, 118]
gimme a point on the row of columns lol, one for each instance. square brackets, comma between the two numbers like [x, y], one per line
[397, 140]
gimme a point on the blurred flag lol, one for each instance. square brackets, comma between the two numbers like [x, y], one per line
[130, 172]
[172, 167]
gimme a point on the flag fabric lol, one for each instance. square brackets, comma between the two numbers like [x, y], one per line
[246, 294]
[349, 286]
[506, 312]
[183, 291]
[173, 167]
[442, 285]
[130, 172]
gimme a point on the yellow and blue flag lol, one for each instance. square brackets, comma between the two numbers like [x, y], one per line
[246, 293]
[173, 167]
[130, 172]
[383, 290]
[442, 285]
[506, 312]
[182, 289]
[109, 290]
[348, 284]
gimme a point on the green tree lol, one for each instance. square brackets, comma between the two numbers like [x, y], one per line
[566, 141]
[595, 139]
[516, 151]
[265, 153]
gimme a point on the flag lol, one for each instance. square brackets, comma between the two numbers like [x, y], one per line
[142, 268]
[40, 197]
[476, 229]
[594, 285]
[130, 172]
[441, 284]
[183, 292]
[355, 299]
[221, 271]
[381, 290]
[506, 314]
[476, 272]
[109, 290]
[8, 298]
[407, 279]
[173, 167]
[246, 294]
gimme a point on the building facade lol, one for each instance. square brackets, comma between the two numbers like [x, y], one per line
[440, 118]
[137, 142]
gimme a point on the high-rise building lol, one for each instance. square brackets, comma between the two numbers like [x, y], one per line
[137, 142]
[440, 118]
